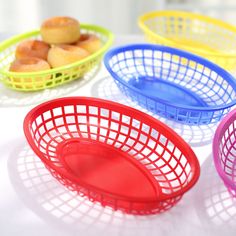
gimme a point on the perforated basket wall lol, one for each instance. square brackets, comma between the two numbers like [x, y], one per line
[161, 152]
[205, 36]
[224, 151]
[213, 88]
[53, 77]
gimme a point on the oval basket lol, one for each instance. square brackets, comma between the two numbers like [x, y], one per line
[202, 35]
[39, 80]
[111, 153]
[224, 151]
[172, 83]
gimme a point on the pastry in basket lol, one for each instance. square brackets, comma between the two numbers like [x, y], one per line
[32, 48]
[62, 55]
[30, 64]
[89, 42]
[60, 30]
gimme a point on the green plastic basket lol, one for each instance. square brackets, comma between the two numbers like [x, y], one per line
[49, 78]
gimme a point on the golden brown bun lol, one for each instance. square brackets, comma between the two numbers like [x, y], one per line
[32, 48]
[89, 42]
[65, 54]
[30, 64]
[60, 30]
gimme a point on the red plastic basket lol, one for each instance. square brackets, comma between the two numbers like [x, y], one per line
[112, 153]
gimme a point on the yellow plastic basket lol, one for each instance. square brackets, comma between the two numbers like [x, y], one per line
[49, 78]
[202, 35]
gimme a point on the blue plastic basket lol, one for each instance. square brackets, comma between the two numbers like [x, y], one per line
[172, 83]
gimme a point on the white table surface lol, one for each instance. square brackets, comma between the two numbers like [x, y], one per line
[32, 202]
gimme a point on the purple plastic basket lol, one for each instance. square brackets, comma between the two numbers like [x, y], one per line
[224, 151]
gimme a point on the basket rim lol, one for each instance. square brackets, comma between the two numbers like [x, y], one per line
[215, 21]
[224, 124]
[196, 58]
[170, 133]
[9, 42]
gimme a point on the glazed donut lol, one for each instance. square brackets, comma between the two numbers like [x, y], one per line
[32, 48]
[65, 54]
[30, 64]
[60, 30]
[89, 42]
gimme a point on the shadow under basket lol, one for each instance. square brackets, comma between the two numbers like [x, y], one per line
[224, 151]
[112, 154]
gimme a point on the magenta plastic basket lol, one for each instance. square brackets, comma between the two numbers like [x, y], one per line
[224, 151]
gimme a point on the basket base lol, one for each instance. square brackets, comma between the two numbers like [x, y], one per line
[164, 90]
[104, 167]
